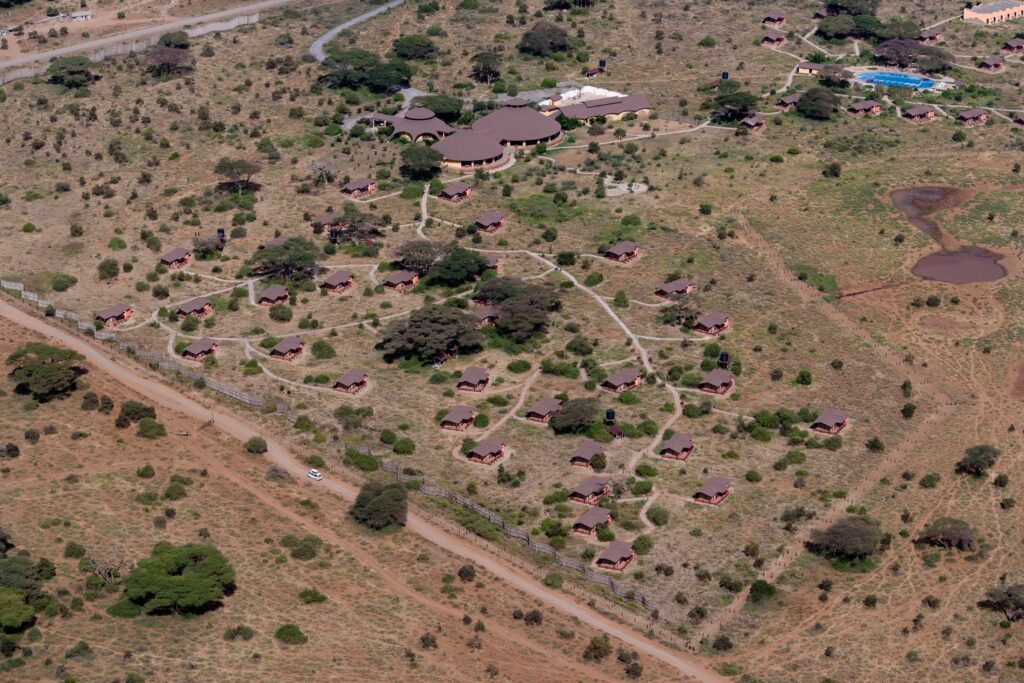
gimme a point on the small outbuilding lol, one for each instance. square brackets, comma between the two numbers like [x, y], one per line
[773, 18]
[718, 381]
[992, 64]
[753, 123]
[490, 221]
[789, 102]
[456, 192]
[930, 36]
[287, 349]
[831, 421]
[401, 281]
[714, 491]
[273, 295]
[676, 288]
[919, 114]
[1014, 45]
[485, 315]
[865, 108]
[616, 557]
[114, 315]
[808, 68]
[585, 452]
[542, 410]
[199, 349]
[338, 281]
[713, 324]
[590, 521]
[330, 220]
[488, 451]
[199, 307]
[352, 382]
[458, 419]
[176, 258]
[589, 491]
[622, 380]
[473, 379]
[678, 447]
[972, 117]
[360, 187]
[773, 37]
[623, 252]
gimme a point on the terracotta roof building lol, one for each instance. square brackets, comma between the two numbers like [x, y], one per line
[419, 123]
[808, 68]
[331, 219]
[753, 123]
[718, 381]
[176, 258]
[930, 36]
[114, 315]
[588, 523]
[714, 491]
[352, 382]
[919, 114]
[458, 418]
[490, 221]
[831, 421]
[287, 349]
[338, 281]
[585, 452]
[542, 410]
[865, 108]
[622, 380]
[485, 315]
[456, 192]
[199, 307]
[401, 280]
[676, 287]
[487, 451]
[994, 12]
[972, 117]
[589, 490]
[276, 242]
[1014, 45]
[359, 187]
[274, 294]
[609, 108]
[473, 379]
[711, 323]
[789, 102]
[678, 447]
[992, 64]
[199, 349]
[773, 37]
[623, 252]
[617, 556]
[517, 125]
[774, 17]
[467, 149]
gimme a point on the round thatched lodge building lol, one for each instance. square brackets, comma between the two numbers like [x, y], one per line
[466, 149]
[419, 123]
[490, 139]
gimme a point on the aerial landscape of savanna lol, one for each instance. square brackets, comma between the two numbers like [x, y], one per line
[494, 340]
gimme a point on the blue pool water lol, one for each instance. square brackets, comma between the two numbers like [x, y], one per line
[893, 78]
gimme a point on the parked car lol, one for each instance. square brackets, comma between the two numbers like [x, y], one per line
[315, 475]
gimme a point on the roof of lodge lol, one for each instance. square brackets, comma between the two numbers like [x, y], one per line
[338, 278]
[714, 486]
[606, 106]
[592, 517]
[288, 345]
[114, 311]
[864, 105]
[352, 377]
[587, 449]
[194, 305]
[623, 377]
[622, 248]
[487, 447]
[458, 414]
[995, 6]
[274, 292]
[456, 188]
[831, 417]
[920, 110]
[176, 254]
[713, 319]
[473, 375]
[717, 377]
[489, 218]
[400, 277]
[203, 345]
[469, 146]
[616, 552]
[974, 113]
[517, 125]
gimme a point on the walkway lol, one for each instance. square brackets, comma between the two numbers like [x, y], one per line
[317, 48]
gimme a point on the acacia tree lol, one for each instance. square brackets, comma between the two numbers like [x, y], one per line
[415, 47]
[1006, 599]
[381, 505]
[575, 417]
[543, 38]
[164, 61]
[420, 256]
[445, 107]
[734, 106]
[45, 372]
[432, 333]
[851, 538]
[949, 533]
[977, 460]
[818, 103]
[459, 265]
[295, 259]
[486, 66]
[420, 162]
[71, 72]
[524, 307]
[190, 578]
[239, 173]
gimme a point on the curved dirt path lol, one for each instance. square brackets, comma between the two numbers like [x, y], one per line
[238, 428]
[317, 48]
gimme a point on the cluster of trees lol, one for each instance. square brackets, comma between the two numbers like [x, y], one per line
[414, 47]
[576, 416]
[543, 39]
[44, 372]
[949, 533]
[733, 104]
[524, 308]
[357, 68]
[295, 259]
[420, 162]
[446, 107]
[186, 579]
[977, 460]
[851, 538]
[431, 334]
[818, 103]
[72, 72]
[1006, 599]
[904, 53]
[449, 265]
[866, 27]
[381, 505]
[21, 588]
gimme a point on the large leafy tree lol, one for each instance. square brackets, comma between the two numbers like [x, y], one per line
[575, 417]
[854, 7]
[239, 172]
[904, 52]
[446, 107]
[381, 505]
[295, 259]
[190, 578]
[543, 38]
[850, 538]
[524, 307]
[415, 47]
[460, 265]
[736, 105]
[818, 103]
[420, 162]
[420, 255]
[432, 333]
[164, 61]
[1006, 599]
[44, 371]
[486, 66]
[355, 68]
[71, 72]
[15, 613]
[977, 460]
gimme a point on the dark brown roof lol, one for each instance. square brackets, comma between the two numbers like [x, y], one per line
[490, 218]
[864, 105]
[274, 292]
[590, 486]
[276, 242]
[194, 305]
[288, 345]
[593, 517]
[587, 450]
[469, 146]
[710, 320]
[204, 345]
[517, 125]
[678, 443]
[114, 311]
[616, 552]
[415, 122]
[975, 113]
[992, 61]
[338, 278]
[753, 120]
[455, 189]
[474, 376]
[773, 34]
[930, 33]
[623, 377]
[791, 99]
[481, 313]
[1014, 43]
[173, 255]
[492, 261]
[400, 277]
[719, 377]
[352, 378]
[458, 414]
[545, 406]
[830, 417]
[714, 486]
[606, 106]
[774, 14]
[331, 218]
[490, 446]
[811, 66]
[676, 286]
[358, 184]
[920, 110]
[622, 248]
[516, 102]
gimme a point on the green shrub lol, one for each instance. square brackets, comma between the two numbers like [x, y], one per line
[311, 595]
[151, 429]
[291, 634]
[256, 445]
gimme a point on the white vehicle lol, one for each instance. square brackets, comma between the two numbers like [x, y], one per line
[315, 475]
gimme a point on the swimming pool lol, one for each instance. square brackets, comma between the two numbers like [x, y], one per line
[896, 79]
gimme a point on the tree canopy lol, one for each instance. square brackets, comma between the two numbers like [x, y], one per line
[459, 265]
[190, 578]
[904, 53]
[432, 333]
[543, 38]
[420, 256]
[576, 416]
[415, 47]
[850, 538]
[446, 107]
[420, 162]
[356, 68]
[853, 6]
[949, 533]
[164, 61]
[977, 460]
[295, 259]
[176, 39]
[818, 103]
[736, 105]
[1006, 599]
[239, 172]
[380, 505]
[45, 372]
[486, 66]
[524, 308]
[71, 72]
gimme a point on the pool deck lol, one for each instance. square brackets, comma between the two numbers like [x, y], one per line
[939, 83]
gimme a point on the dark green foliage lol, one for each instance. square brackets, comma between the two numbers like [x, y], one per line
[458, 267]
[524, 308]
[949, 533]
[818, 103]
[904, 52]
[311, 595]
[176, 39]
[74, 550]
[72, 72]
[432, 333]
[543, 38]
[977, 460]
[241, 631]
[291, 634]
[15, 613]
[598, 649]
[134, 411]
[850, 538]
[446, 107]
[151, 429]
[420, 162]
[1006, 599]
[186, 579]
[256, 445]
[735, 106]
[760, 591]
[575, 417]
[322, 350]
[381, 505]
[356, 68]
[295, 259]
[280, 313]
[145, 472]
[45, 372]
[414, 47]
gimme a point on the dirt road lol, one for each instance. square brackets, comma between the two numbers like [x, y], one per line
[171, 399]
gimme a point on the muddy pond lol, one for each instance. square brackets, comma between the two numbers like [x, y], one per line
[956, 263]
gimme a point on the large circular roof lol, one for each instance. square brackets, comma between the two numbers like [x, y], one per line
[419, 114]
[469, 146]
[517, 125]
